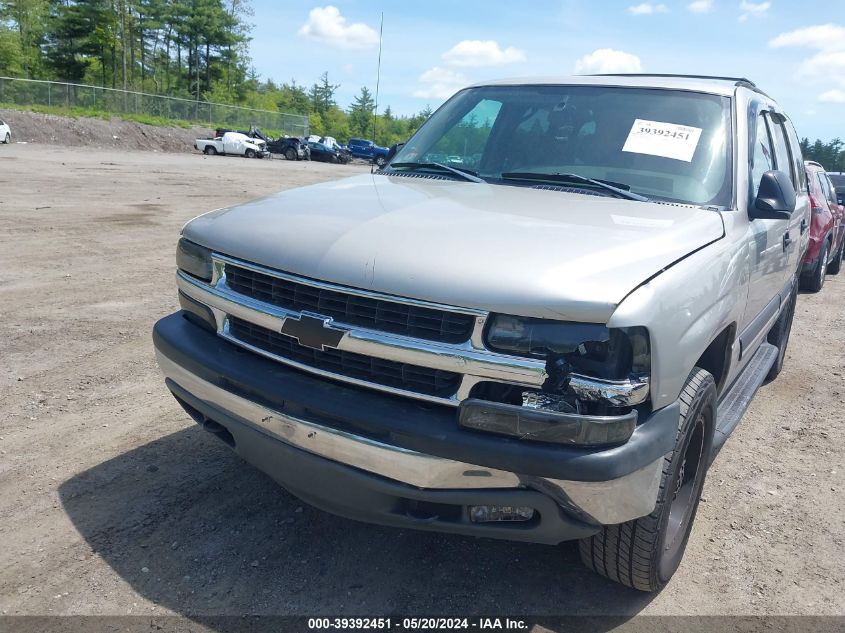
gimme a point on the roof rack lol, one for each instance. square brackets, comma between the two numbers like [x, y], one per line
[738, 81]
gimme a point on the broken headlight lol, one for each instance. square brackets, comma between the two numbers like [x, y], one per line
[194, 259]
[586, 348]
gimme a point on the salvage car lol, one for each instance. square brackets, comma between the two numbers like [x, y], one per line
[5, 132]
[291, 147]
[827, 230]
[326, 154]
[234, 143]
[550, 346]
[368, 150]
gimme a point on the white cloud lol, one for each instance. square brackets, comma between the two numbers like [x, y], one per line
[753, 9]
[439, 83]
[647, 8]
[327, 25]
[825, 67]
[482, 53]
[701, 6]
[607, 60]
[832, 96]
[826, 37]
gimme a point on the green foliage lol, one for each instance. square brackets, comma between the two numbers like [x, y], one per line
[830, 155]
[195, 49]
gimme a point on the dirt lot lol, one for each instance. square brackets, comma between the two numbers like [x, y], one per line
[113, 502]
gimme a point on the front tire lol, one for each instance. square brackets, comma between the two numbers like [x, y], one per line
[644, 554]
[250, 153]
[835, 265]
[8, 138]
[380, 161]
[816, 281]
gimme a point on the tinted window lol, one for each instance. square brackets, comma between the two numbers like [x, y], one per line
[797, 157]
[763, 158]
[827, 188]
[664, 144]
[783, 157]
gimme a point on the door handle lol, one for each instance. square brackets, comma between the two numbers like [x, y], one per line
[803, 225]
[787, 240]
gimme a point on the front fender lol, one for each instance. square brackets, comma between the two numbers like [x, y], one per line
[684, 308]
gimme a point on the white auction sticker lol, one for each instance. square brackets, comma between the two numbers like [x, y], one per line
[668, 140]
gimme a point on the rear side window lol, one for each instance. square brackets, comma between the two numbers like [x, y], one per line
[797, 157]
[827, 188]
[763, 158]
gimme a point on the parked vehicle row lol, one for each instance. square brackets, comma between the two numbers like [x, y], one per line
[827, 230]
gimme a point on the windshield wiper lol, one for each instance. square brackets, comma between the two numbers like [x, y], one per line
[465, 174]
[573, 178]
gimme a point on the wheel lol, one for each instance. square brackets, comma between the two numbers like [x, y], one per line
[814, 282]
[8, 138]
[290, 153]
[381, 161]
[333, 159]
[210, 150]
[835, 264]
[644, 553]
[779, 334]
[250, 153]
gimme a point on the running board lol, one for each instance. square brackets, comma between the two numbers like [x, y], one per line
[735, 402]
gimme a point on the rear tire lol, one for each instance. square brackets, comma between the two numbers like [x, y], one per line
[779, 334]
[210, 150]
[380, 161]
[835, 265]
[815, 282]
[644, 554]
[290, 153]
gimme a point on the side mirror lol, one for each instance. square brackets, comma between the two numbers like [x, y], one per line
[775, 198]
[392, 151]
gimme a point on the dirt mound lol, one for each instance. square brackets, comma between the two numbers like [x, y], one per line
[34, 127]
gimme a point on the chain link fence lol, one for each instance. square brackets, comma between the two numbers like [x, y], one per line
[28, 92]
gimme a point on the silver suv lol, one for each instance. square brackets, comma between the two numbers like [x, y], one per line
[538, 322]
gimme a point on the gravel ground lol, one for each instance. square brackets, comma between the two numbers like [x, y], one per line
[113, 502]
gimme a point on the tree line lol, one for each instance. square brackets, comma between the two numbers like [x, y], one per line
[196, 49]
[830, 155]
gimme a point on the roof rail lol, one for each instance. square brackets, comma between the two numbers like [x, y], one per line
[738, 81]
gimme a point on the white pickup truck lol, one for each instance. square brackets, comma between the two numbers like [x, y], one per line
[233, 143]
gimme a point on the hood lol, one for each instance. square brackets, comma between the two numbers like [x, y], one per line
[516, 250]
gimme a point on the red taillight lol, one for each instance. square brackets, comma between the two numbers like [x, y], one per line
[816, 208]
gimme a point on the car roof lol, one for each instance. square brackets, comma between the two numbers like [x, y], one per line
[725, 86]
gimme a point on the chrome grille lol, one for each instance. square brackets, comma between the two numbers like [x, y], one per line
[369, 312]
[422, 380]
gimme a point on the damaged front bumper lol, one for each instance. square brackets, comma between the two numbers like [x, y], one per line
[389, 460]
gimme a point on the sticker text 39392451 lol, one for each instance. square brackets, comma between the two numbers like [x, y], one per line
[668, 140]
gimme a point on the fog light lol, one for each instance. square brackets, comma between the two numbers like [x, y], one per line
[491, 514]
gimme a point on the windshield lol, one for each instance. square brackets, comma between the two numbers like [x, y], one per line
[664, 144]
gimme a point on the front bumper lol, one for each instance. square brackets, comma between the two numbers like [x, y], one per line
[386, 459]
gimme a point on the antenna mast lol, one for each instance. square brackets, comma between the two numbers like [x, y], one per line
[378, 75]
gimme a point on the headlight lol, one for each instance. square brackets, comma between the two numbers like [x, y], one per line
[194, 259]
[588, 348]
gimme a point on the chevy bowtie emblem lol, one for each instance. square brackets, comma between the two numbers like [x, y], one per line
[314, 331]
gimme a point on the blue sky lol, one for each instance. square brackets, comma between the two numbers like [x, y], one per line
[795, 51]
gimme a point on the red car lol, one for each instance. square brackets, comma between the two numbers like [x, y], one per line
[827, 230]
